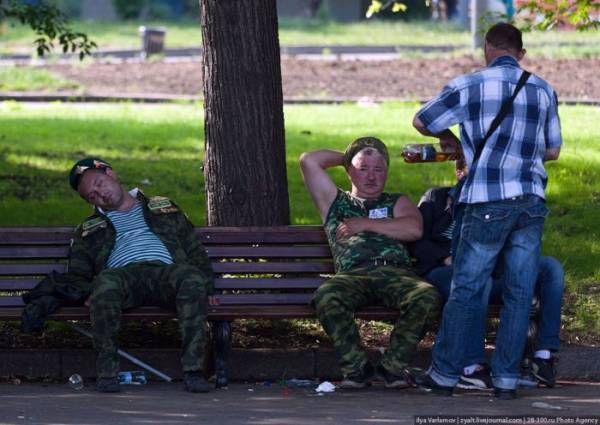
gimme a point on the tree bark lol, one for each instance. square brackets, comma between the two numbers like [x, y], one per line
[245, 168]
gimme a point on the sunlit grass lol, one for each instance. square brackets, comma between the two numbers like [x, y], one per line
[159, 148]
[15, 79]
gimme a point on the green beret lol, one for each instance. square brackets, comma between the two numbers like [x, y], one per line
[362, 143]
[82, 166]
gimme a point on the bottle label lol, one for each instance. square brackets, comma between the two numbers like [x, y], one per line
[427, 153]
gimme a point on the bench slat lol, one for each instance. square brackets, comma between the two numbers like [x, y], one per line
[273, 267]
[263, 299]
[25, 269]
[11, 302]
[262, 235]
[31, 252]
[224, 299]
[62, 252]
[17, 284]
[220, 283]
[269, 251]
[36, 235]
[261, 283]
[208, 235]
[226, 312]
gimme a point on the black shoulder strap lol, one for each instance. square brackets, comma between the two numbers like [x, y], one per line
[501, 114]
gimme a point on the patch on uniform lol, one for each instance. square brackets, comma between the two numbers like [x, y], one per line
[161, 205]
[92, 226]
[378, 213]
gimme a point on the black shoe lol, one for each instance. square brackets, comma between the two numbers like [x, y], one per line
[478, 380]
[505, 394]
[391, 380]
[427, 384]
[359, 379]
[194, 382]
[108, 385]
[544, 370]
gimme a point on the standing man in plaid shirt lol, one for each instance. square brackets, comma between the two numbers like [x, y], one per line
[501, 203]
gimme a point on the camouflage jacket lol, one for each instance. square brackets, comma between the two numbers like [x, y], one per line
[91, 246]
[95, 238]
[365, 246]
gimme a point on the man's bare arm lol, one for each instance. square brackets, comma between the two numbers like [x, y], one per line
[448, 139]
[318, 183]
[406, 226]
[552, 154]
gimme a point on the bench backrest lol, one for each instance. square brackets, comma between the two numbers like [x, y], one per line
[258, 266]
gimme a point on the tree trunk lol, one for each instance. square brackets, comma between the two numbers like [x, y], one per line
[245, 167]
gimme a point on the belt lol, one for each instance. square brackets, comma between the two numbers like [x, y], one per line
[378, 262]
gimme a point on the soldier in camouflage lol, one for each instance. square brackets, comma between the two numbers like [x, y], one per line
[136, 251]
[366, 229]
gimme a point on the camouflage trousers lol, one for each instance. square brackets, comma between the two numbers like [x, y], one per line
[336, 300]
[178, 287]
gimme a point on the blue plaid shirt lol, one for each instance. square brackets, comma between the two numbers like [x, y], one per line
[511, 163]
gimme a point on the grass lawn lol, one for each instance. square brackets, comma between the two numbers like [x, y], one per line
[187, 33]
[160, 147]
[32, 79]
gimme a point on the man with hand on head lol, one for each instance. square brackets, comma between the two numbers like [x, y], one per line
[137, 251]
[367, 229]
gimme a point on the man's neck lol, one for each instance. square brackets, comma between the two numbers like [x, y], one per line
[128, 202]
[365, 198]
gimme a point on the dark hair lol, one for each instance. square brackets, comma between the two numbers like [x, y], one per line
[505, 36]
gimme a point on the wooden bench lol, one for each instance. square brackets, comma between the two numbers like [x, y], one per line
[261, 273]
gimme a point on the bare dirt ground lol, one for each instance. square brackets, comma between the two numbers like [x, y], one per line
[315, 79]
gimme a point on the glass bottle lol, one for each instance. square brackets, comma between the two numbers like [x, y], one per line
[427, 152]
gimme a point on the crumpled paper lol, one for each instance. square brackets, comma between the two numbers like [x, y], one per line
[325, 387]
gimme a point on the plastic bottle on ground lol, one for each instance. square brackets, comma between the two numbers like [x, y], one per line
[76, 382]
[135, 377]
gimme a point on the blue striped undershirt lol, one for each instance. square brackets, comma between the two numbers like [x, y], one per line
[135, 241]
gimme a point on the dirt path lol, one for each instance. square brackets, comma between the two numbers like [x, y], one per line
[401, 78]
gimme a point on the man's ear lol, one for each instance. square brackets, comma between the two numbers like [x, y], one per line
[521, 54]
[110, 172]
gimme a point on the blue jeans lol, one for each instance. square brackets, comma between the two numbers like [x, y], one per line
[548, 288]
[509, 233]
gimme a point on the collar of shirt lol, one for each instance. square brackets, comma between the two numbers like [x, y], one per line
[505, 60]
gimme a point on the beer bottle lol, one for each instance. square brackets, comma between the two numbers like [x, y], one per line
[427, 152]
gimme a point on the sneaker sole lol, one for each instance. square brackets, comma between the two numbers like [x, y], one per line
[534, 372]
[436, 391]
[351, 385]
[472, 384]
[397, 385]
[543, 381]
[465, 386]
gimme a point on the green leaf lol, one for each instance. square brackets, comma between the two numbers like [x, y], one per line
[374, 7]
[399, 7]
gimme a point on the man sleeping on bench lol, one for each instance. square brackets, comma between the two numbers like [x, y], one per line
[133, 251]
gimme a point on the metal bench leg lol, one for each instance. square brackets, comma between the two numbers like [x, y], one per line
[222, 344]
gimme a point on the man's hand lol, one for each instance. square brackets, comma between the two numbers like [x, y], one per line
[449, 142]
[352, 226]
[448, 261]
